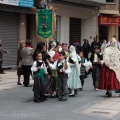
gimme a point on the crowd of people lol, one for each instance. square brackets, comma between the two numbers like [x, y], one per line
[59, 70]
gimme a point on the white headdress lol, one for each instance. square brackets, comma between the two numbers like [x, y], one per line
[73, 54]
[52, 52]
[103, 46]
[53, 44]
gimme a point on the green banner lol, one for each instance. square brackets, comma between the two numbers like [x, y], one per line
[44, 24]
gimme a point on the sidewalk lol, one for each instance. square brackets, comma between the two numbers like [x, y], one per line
[10, 77]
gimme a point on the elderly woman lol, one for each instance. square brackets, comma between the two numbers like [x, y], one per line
[19, 59]
[109, 78]
[27, 61]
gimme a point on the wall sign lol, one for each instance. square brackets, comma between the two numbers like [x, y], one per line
[21, 3]
[106, 20]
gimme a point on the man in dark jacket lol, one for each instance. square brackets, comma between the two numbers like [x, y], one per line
[93, 44]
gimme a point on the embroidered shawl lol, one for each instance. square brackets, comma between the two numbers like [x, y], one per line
[111, 57]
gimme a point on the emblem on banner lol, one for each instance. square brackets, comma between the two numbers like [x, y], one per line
[44, 20]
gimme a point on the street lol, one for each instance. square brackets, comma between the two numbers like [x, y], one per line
[17, 103]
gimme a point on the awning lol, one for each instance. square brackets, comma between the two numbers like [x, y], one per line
[108, 20]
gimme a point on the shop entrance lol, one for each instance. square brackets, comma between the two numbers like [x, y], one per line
[103, 32]
[9, 33]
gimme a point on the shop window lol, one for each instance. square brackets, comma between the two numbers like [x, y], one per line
[75, 30]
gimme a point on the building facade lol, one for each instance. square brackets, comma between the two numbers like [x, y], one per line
[13, 26]
[109, 20]
[76, 20]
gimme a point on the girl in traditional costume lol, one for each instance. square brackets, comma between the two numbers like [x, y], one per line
[109, 78]
[54, 54]
[73, 78]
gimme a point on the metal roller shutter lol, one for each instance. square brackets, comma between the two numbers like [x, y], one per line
[9, 35]
[75, 30]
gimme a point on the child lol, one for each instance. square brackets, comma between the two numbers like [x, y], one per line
[39, 70]
[82, 69]
[63, 69]
[54, 54]
[96, 59]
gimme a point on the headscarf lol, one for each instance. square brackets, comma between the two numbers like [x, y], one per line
[53, 44]
[52, 52]
[103, 46]
[73, 54]
[111, 57]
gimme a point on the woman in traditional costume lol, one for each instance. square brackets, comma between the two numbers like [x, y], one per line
[109, 78]
[73, 78]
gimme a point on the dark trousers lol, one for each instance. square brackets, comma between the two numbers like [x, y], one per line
[54, 83]
[27, 72]
[82, 77]
[38, 88]
[63, 88]
[1, 70]
[95, 76]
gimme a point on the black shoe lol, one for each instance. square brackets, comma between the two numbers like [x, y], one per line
[41, 100]
[107, 93]
[81, 89]
[19, 83]
[44, 98]
[60, 99]
[110, 94]
[2, 73]
[28, 85]
[37, 101]
[64, 98]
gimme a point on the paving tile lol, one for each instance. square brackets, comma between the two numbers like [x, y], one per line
[101, 112]
[114, 99]
[116, 106]
[103, 105]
